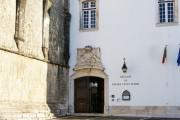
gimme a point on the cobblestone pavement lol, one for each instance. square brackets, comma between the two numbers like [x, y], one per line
[111, 118]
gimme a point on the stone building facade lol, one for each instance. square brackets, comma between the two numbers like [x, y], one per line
[34, 43]
[131, 37]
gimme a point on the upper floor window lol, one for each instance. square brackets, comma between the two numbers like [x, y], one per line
[166, 11]
[88, 15]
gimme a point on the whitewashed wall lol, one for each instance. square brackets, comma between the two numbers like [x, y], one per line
[128, 29]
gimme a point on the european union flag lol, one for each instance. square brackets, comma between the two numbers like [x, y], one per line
[178, 59]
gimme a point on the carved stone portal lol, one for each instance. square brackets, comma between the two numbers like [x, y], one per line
[89, 64]
[88, 57]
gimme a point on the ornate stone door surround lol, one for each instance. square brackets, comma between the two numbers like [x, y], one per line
[89, 64]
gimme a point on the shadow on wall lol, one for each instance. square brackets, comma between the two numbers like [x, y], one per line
[58, 57]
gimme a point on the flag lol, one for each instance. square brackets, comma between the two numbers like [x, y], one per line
[178, 59]
[164, 55]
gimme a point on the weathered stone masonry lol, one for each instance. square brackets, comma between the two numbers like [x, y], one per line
[59, 53]
[32, 84]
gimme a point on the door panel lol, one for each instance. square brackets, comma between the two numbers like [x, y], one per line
[81, 95]
[101, 96]
[89, 95]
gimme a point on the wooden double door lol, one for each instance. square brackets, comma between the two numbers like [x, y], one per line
[89, 95]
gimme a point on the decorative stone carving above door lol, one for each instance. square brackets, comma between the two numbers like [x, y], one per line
[88, 57]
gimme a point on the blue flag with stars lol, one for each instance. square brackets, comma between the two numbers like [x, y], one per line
[178, 59]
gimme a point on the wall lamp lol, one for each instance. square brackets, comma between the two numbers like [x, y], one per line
[124, 67]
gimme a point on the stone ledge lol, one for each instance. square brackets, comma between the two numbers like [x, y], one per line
[24, 111]
[148, 111]
[25, 116]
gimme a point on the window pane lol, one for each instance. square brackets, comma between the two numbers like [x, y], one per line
[85, 18]
[161, 12]
[85, 5]
[93, 18]
[170, 12]
[93, 4]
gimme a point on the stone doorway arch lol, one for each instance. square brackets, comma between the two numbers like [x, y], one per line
[88, 65]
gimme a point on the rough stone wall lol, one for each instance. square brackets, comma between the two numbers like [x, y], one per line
[33, 28]
[59, 54]
[7, 26]
[29, 81]
[58, 39]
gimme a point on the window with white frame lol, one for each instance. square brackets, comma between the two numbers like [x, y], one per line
[89, 14]
[166, 11]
